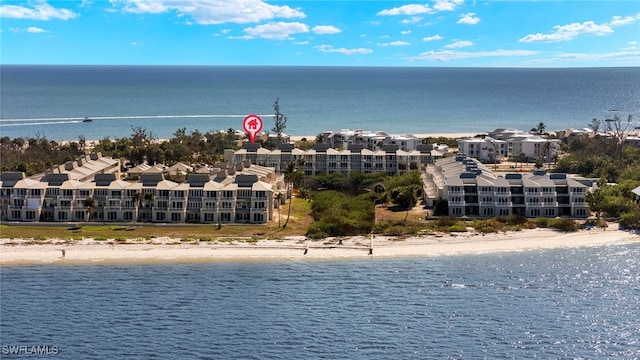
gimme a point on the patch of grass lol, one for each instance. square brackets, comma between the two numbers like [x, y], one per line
[458, 228]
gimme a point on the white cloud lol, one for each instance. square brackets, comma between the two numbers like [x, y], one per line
[569, 32]
[619, 20]
[432, 38]
[39, 11]
[459, 44]
[447, 5]
[469, 19]
[412, 20]
[207, 12]
[622, 56]
[395, 43]
[447, 55]
[326, 29]
[35, 30]
[331, 49]
[405, 32]
[277, 30]
[410, 9]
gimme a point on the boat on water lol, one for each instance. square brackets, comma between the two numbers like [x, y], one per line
[87, 119]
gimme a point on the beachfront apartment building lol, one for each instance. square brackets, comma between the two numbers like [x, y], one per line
[502, 144]
[471, 189]
[323, 159]
[243, 193]
[369, 140]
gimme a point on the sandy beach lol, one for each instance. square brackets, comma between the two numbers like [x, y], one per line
[168, 250]
[421, 136]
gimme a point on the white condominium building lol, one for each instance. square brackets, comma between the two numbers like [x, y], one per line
[471, 189]
[322, 159]
[240, 194]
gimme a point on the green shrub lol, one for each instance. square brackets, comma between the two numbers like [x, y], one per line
[515, 220]
[446, 221]
[457, 228]
[337, 214]
[542, 222]
[562, 224]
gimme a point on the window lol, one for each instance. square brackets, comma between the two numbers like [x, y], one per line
[177, 204]
[211, 194]
[176, 217]
[258, 218]
[210, 205]
[242, 217]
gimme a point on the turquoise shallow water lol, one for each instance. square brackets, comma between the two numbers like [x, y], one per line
[52, 101]
[568, 303]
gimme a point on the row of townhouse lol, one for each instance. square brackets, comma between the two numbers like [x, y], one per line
[471, 189]
[322, 159]
[511, 145]
[245, 196]
[370, 140]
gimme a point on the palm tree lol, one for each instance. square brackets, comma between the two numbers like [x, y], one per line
[90, 206]
[546, 152]
[321, 137]
[137, 199]
[595, 125]
[278, 198]
[540, 128]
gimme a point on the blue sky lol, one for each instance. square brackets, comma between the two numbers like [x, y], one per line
[322, 33]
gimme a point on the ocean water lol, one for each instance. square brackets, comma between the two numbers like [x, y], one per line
[51, 101]
[580, 303]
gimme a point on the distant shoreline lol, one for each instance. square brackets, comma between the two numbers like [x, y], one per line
[15, 252]
[420, 136]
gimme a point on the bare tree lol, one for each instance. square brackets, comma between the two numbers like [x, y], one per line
[618, 130]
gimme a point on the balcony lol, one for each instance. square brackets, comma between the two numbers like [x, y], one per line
[457, 203]
[548, 204]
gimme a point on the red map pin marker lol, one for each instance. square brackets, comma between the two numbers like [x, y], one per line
[252, 125]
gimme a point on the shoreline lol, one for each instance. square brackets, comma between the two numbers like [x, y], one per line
[17, 252]
[419, 136]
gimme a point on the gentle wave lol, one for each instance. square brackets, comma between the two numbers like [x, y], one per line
[78, 119]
